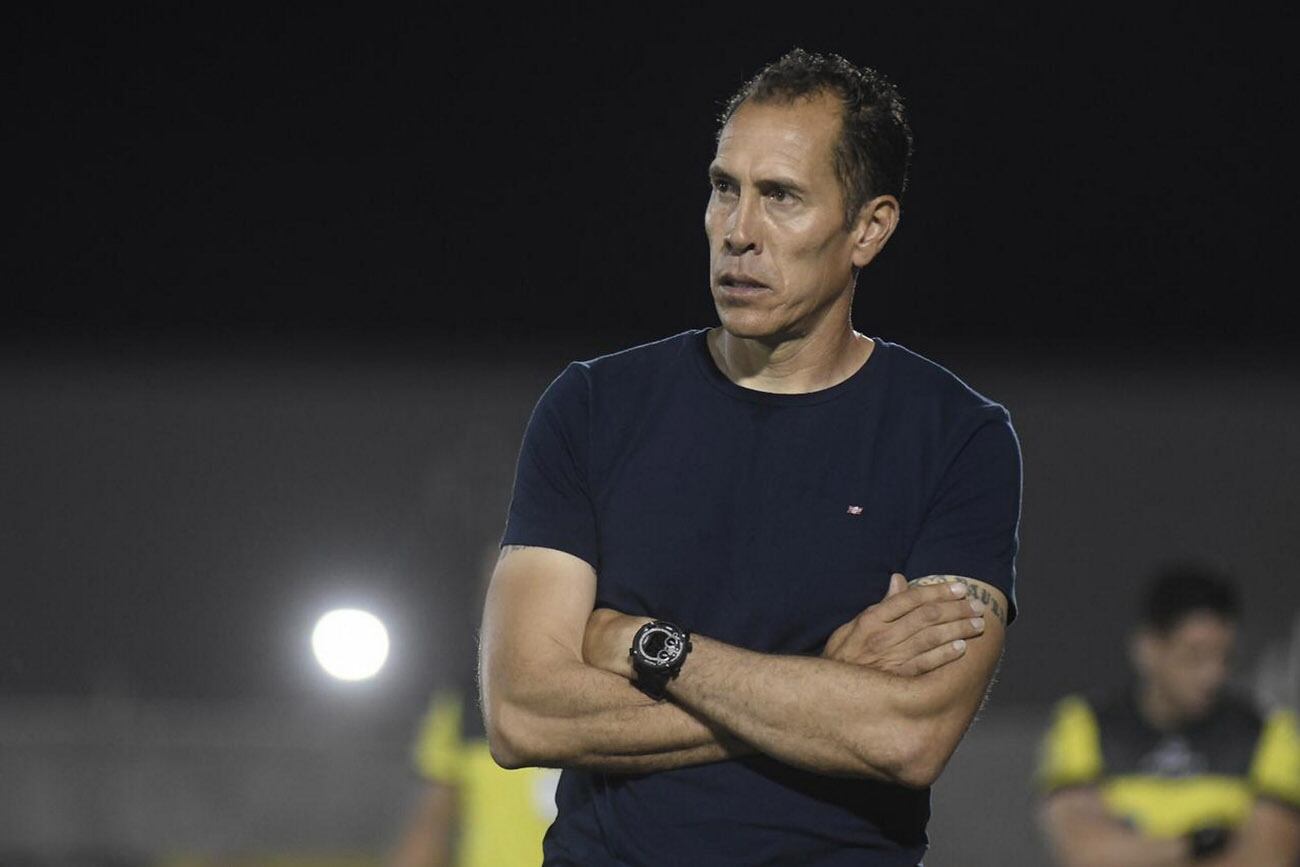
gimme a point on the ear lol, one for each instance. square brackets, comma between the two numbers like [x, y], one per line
[871, 231]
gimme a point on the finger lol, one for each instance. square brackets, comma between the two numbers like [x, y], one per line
[937, 658]
[914, 596]
[936, 613]
[937, 636]
[897, 584]
[901, 604]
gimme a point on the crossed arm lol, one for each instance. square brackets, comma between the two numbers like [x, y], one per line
[889, 698]
[1270, 837]
[1083, 834]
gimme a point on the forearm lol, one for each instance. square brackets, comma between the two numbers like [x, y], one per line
[819, 714]
[545, 705]
[1083, 834]
[1246, 857]
[574, 715]
[1269, 838]
[845, 712]
[1106, 845]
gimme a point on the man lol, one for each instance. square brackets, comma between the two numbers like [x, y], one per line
[759, 486]
[1172, 771]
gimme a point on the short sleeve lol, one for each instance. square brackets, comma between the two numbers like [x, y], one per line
[1275, 769]
[1070, 752]
[972, 525]
[551, 505]
[439, 747]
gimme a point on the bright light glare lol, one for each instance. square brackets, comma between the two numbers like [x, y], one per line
[350, 644]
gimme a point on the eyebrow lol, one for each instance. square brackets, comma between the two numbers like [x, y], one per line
[716, 173]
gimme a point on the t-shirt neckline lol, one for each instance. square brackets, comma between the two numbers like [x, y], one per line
[719, 380]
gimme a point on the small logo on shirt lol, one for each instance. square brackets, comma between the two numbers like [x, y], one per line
[855, 510]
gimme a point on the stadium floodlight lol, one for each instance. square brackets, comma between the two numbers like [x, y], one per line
[350, 644]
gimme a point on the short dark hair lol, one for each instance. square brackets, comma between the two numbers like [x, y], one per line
[874, 151]
[1179, 589]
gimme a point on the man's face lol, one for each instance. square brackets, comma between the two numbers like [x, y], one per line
[779, 253]
[1189, 664]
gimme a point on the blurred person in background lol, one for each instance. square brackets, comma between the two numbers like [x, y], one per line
[1173, 769]
[472, 812]
[700, 611]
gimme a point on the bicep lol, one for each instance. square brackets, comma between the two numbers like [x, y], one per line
[536, 610]
[971, 526]
[952, 693]
[938, 706]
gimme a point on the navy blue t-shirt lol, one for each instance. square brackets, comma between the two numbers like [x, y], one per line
[766, 521]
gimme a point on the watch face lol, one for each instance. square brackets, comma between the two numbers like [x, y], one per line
[659, 647]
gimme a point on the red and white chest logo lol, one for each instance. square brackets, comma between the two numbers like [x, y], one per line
[855, 510]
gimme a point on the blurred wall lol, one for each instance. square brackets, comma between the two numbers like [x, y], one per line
[1128, 463]
[141, 782]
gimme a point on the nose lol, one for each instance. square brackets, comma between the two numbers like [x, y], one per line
[741, 229]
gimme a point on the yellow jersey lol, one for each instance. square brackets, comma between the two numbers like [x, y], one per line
[502, 814]
[1168, 784]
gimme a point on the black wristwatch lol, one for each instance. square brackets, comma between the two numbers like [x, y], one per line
[658, 650]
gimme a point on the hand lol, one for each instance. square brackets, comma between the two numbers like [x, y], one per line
[608, 639]
[911, 631]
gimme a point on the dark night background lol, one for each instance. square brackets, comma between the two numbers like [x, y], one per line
[215, 180]
[262, 269]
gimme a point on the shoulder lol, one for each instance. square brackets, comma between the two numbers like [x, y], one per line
[925, 396]
[622, 367]
[1275, 769]
[1074, 711]
[606, 387]
[1282, 719]
[616, 382]
[643, 359]
[1070, 753]
[949, 424]
[930, 378]
[443, 714]
[1276, 729]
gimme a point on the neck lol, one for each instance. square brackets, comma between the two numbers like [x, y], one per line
[1156, 708]
[810, 362]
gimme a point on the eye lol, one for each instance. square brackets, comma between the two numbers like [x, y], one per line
[721, 185]
[779, 195]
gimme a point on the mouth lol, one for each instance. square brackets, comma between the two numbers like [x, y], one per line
[741, 283]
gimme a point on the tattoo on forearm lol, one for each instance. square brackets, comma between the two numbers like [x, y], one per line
[975, 591]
